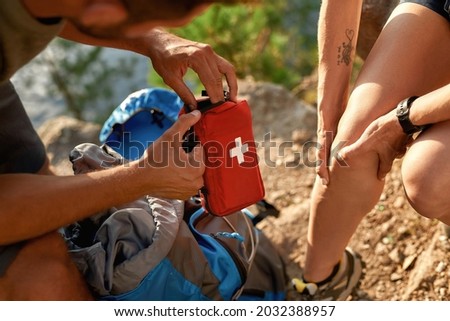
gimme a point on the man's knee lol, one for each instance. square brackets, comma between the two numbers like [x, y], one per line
[43, 270]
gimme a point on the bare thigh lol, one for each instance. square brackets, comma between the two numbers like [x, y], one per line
[410, 57]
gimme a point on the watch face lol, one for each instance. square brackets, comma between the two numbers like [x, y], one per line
[402, 110]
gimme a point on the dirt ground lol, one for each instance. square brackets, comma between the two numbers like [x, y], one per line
[405, 255]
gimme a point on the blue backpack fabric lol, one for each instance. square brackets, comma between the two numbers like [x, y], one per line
[139, 120]
[156, 249]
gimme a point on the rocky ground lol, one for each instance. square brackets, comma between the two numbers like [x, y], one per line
[405, 255]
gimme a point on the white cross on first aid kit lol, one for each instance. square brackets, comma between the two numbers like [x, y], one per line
[239, 150]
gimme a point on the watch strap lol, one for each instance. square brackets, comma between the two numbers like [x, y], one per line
[403, 109]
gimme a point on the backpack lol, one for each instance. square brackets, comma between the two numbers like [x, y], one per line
[139, 120]
[158, 249]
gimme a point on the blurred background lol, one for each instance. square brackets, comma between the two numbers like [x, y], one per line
[273, 42]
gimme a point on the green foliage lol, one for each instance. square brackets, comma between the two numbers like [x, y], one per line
[274, 41]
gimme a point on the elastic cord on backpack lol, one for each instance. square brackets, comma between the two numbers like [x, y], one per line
[254, 243]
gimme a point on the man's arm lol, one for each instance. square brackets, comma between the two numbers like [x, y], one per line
[70, 32]
[337, 35]
[171, 57]
[32, 205]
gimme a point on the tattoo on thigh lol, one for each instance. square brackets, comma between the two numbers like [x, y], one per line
[345, 51]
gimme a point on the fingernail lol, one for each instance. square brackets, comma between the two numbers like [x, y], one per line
[324, 181]
[196, 113]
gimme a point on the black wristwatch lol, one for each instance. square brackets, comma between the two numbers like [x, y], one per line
[403, 116]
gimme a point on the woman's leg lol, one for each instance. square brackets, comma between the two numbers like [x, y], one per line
[425, 172]
[411, 57]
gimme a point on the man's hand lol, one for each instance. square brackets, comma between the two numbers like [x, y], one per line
[385, 137]
[167, 169]
[172, 56]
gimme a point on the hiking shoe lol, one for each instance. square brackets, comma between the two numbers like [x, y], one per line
[340, 286]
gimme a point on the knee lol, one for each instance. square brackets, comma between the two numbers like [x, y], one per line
[425, 192]
[44, 270]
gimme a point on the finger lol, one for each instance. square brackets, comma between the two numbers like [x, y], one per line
[322, 169]
[323, 173]
[349, 152]
[182, 90]
[197, 184]
[211, 77]
[346, 152]
[182, 125]
[228, 70]
[323, 155]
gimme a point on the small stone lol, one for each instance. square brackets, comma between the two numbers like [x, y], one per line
[383, 197]
[360, 293]
[366, 246]
[443, 238]
[387, 240]
[410, 249]
[395, 256]
[385, 260]
[278, 194]
[397, 184]
[443, 292]
[402, 230]
[381, 287]
[446, 229]
[441, 267]
[396, 277]
[409, 262]
[439, 283]
[385, 228]
[399, 202]
[380, 249]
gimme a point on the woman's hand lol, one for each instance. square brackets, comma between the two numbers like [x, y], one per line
[385, 137]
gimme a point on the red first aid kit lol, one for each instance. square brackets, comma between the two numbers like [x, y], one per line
[232, 178]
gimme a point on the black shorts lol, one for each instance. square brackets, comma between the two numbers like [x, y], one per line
[21, 150]
[441, 7]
